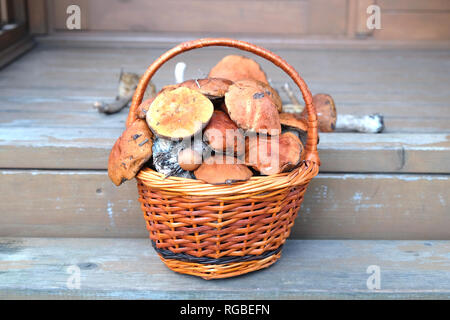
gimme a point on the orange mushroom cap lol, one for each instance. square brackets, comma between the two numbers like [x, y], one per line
[253, 106]
[179, 113]
[129, 153]
[326, 112]
[223, 135]
[235, 67]
[213, 88]
[219, 169]
[273, 154]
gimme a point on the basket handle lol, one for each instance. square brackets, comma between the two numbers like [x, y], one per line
[311, 142]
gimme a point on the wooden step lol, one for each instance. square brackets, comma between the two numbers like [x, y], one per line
[41, 268]
[83, 148]
[84, 203]
[54, 146]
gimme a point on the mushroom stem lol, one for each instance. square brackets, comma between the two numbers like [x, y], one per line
[373, 123]
[113, 107]
[180, 67]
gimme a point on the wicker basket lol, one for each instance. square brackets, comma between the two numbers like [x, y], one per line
[220, 231]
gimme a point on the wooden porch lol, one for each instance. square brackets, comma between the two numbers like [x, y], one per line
[380, 199]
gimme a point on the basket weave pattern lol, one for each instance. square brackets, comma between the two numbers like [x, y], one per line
[219, 231]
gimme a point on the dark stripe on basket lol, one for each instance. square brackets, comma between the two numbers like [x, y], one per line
[167, 254]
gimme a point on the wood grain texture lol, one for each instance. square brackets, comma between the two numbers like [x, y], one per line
[37, 16]
[359, 206]
[423, 25]
[130, 269]
[438, 5]
[257, 16]
[57, 86]
[83, 148]
[327, 17]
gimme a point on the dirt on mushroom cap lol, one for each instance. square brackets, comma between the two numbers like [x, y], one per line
[179, 113]
[252, 106]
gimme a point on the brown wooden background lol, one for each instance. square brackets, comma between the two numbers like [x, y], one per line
[346, 19]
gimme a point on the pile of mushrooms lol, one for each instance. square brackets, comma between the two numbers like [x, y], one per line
[222, 129]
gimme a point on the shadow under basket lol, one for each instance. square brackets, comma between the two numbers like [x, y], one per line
[220, 231]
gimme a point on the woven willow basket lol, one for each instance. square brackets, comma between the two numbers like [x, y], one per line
[220, 231]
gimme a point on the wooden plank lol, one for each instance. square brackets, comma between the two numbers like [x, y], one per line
[83, 148]
[414, 25]
[327, 17]
[361, 17]
[440, 5]
[15, 51]
[130, 269]
[60, 81]
[37, 16]
[260, 16]
[120, 39]
[45, 203]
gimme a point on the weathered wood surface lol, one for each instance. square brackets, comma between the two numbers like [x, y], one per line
[45, 203]
[136, 39]
[84, 148]
[47, 119]
[130, 269]
[330, 18]
[57, 86]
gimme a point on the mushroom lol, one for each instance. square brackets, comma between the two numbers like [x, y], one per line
[326, 112]
[328, 119]
[165, 157]
[143, 108]
[223, 135]
[189, 159]
[220, 169]
[127, 84]
[212, 88]
[293, 122]
[235, 67]
[130, 152]
[253, 106]
[372, 123]
[179, 114]
[273, 154]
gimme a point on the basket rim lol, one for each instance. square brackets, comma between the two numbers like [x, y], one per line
[255, 185]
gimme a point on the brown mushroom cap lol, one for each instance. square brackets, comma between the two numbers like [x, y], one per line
[326, 112]
[252, 106]
[223, 135]
[271, 156]
[220, 169]
[294, 121]
[130, 152]
[234, 67]
[213, 88]
[189, 159]
[179, 113]
[143, 108]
